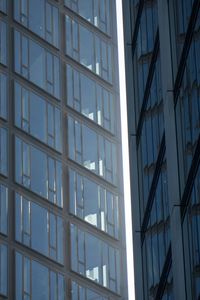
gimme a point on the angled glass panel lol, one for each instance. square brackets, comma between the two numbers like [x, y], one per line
[3, 209]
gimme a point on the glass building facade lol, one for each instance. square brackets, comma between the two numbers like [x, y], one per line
[62, 232]
[162, 46]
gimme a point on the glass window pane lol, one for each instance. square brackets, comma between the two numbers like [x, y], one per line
[95, 265]
[39, 16]
[3, 151]
[35, 171]
[87, 48]
[90, 160]
[39, 229]
[40, 282]
[32, 115]
[91, 157]
[3, 5]
[3, 43]
[3, 209]
[39, 172]
[3, 96]
[36, 60]
[96, 12]
[3, 269]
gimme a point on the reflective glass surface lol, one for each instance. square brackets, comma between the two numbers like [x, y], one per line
[3, 269]
[3, 5]
[151, 136]
[182, 12]
[99, 155]
[144, 49]
[88, 49]
[191, 238]
[3, 151]
[3, 209]
[96, 12]
[90, 98]
[188, 110]
[3, 96]
[3, 43]
[36, 116]
[79, 292]
[93, 203]
[40, 16]
[35, 281]
[38, 228]
[30, 57]
[38, 172]
[101, 265]
[157, 236]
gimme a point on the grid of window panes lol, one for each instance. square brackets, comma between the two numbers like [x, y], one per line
[58, 151]
[149, 116]
[188, 132]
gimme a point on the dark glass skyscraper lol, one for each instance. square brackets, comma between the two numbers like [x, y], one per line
[162, 48]
[61, 193]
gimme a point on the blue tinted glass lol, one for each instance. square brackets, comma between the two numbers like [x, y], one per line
[37, 282]
[96, 12]
[3, 43]
[93, 52]
[3, 151]
[3, 209]
[36, 119]
[96, 265]
[102, 212]
[40, 282]
[31, 171]
[39, 229]
[31, 57]
[96, 105]
[92, 157]
[39, 172]
[3, 270]
[39, 16]
[3, 96]
[3, 5]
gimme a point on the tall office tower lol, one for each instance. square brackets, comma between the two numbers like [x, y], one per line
[61, 196]
[162, 46]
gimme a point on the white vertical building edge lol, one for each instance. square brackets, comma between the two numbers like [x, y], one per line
[125, 152]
